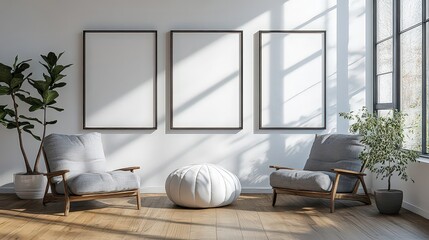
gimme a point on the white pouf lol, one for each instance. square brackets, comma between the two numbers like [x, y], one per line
[202, 186]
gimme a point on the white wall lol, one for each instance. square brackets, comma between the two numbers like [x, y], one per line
[29, 28]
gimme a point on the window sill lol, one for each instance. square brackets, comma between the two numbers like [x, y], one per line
[423, 159]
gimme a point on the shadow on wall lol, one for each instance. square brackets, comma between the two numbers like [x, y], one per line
[284, 147]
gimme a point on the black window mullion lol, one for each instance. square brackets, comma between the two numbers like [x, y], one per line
[424, 82]
[396, 56]
[374, 59]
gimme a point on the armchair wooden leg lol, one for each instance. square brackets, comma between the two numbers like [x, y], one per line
[274, 197]
[66, 199]
[138, 198]
[334, 192]
[45, 197]
[368, 202]
[66, 206]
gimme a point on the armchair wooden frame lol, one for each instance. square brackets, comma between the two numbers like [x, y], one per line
[332, 195]
[69, 197]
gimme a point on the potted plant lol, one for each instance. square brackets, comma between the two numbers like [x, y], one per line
[30, 184]
[383, 154]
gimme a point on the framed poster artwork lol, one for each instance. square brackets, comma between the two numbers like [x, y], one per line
[206, 79]
[292, 80]
[120, 79]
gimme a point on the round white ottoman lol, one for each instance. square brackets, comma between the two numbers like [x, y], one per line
[202, 186]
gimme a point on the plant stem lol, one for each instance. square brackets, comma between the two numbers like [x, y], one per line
[388, 183]
[21, 143]
[39, 152]
[388, 179]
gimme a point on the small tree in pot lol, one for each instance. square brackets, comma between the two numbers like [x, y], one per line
[383, 155]
[12, 80]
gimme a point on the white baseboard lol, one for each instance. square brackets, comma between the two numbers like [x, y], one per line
[243, 190]
[152, 190]
[417, 210]
[256, 190]
[7, 190]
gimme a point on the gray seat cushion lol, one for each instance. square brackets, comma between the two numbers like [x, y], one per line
[301, 180]
[102, 182]
[346, 183]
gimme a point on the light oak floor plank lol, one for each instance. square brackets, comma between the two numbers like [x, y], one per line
[250, 217]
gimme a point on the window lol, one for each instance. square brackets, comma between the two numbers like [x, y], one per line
[400, 78]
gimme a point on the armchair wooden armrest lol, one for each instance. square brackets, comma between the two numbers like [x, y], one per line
[131, 169]
[56, 173]
[348, 172]
[280, 167]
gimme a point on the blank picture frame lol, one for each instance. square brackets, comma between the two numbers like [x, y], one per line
[206, 79]
[292, 80]
[120, 79]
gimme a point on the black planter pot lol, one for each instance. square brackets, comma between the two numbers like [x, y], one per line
[388, 202]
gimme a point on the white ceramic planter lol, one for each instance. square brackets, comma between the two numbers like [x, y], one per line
[29, 186]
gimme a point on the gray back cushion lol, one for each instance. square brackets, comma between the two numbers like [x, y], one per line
[77, 153]
[335, 151]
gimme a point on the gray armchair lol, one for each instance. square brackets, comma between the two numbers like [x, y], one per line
[77, 171]
[333, 170]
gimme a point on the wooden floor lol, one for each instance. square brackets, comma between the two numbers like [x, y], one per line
[251, 217]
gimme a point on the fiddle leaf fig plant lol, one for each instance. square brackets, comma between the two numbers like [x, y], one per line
[12, 80]
[383, 137]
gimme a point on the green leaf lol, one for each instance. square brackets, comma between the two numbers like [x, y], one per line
[40, 86]
[11, 125]
[47, 79]
[57, 70]
[56, 108]
[4, 90]
[34, 108]
[30, 100]
[16, 83]
[59, 55]
[52, 59]
[27, 129]
[59, 77]
[31, 119]
[59, 85]
[5, 74]
[16, 60]
[46, 66]
[10, 112]
[22, 67]
[51, 122]
[49, 96]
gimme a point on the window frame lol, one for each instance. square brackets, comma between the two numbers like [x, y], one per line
[396, 67]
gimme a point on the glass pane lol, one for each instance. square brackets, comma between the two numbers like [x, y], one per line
[384, 57]
[427, 87]
[410, 13]
[384, 19]
[385, 113]
[427, 9]
[411, 86]
[384, 88]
